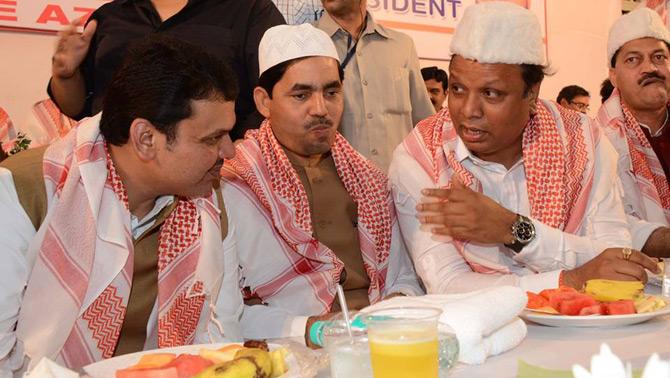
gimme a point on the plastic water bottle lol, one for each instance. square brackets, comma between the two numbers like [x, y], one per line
[448, 349]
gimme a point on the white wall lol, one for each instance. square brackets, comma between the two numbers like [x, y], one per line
[577, 37]
[25, 68]
[578, 45]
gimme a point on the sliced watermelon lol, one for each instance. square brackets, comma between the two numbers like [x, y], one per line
[622, 307]
[596, 309]
[188, 365]
[162, 372]
[574, 305]
[536, 301]
[548, 293]
[558, 298]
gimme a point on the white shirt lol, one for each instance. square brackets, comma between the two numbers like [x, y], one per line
[538, 265]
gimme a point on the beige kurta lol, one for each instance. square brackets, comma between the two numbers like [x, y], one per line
[334, 220]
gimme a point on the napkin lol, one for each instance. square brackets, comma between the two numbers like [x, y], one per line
[49, 369]
[485, 322]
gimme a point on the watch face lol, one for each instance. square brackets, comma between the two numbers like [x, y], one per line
[525, 232]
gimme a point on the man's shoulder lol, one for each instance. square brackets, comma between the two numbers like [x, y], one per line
[28, 177]
[394, 36]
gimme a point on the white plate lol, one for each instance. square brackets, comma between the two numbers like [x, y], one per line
[592, 321]
[107, 368]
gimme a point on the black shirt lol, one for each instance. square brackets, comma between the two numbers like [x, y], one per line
[229, 29]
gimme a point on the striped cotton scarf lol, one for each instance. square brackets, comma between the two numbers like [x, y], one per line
[262, 168]
[626, 134]
[556, 161]
[65, 259]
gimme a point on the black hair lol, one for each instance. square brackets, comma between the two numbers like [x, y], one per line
[270, 77]
[436, 74]
[532, 74]
[606, 89]
[616, 53]
[159, 78]
[570, 92]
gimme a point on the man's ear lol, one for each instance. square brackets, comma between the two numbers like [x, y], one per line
[263, 101]
[564, 103]
[533, 95]
[144, 139]
[612, 75]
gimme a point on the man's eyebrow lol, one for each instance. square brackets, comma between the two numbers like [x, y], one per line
[214, 134]
[302, 87]
[333, 84]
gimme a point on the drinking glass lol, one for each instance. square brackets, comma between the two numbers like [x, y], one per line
[349, 357]
[404, 342]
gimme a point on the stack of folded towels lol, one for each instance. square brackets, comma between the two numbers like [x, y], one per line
[486, 322]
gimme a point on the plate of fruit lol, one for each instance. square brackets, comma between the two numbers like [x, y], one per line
[248, 360]
[602, 303]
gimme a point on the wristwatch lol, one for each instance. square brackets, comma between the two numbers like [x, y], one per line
[523, 232]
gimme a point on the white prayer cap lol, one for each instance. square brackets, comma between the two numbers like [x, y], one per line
[282, 43]
[640, 23]
[499, 32]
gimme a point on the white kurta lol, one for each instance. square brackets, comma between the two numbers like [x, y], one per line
[18, 237]
[538, 265]
[261, 253]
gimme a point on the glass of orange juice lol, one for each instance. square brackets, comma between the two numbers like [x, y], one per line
[403, 342]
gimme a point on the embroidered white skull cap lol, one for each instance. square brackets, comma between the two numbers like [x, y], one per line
[499, 32]
[640, 23]
[282, 43]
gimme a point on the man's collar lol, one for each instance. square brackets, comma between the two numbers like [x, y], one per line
[462, 153]
[300, 161]
[658, 132]
[328, 24]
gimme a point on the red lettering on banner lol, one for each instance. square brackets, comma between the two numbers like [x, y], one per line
[7, 10]
[52, 12]
[85, 14]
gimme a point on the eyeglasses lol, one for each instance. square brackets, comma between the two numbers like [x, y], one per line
[580, 105]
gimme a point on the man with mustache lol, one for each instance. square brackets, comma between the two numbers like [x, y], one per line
[113, 240]
[635, 120]
[321, 213]
[501, 188]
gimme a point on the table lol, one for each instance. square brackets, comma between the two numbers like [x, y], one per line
[560, 348]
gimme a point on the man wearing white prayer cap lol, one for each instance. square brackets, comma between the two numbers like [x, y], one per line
[313, 212]
[635, 120]
[501, 188]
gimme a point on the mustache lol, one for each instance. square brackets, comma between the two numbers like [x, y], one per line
[321, 121]
[650, 76]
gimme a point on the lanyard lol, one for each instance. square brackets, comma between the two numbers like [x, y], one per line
[350, 52]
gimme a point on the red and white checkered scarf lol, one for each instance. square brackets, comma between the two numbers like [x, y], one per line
[261, 167]
[556, 161]
[7, 131]
[52, 120]
[67, 253]
[622, 129]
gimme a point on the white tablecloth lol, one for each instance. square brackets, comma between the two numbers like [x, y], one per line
[560, 348]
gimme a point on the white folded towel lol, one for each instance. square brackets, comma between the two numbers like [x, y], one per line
[485, 322]
[46, 368]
